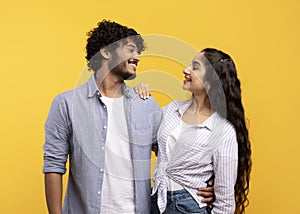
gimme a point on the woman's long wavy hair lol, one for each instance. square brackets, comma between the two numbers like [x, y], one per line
[225, 90]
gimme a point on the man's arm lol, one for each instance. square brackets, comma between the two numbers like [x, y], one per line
[56, 150]
[53, 190]
[156, 120]
[207, 193]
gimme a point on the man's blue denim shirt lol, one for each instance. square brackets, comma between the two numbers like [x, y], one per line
[76, 127]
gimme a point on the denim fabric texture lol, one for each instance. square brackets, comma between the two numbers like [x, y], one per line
[179, 201]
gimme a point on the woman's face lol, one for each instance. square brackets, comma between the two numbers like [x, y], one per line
[194, 76]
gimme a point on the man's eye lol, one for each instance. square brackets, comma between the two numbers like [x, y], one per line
[131, 50]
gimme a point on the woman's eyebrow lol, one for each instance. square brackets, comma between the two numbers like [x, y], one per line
[195, 62]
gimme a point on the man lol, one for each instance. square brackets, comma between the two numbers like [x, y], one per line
[106, 130]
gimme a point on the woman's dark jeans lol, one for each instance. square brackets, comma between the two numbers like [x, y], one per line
[179, 201]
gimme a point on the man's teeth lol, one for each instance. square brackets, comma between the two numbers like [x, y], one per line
[134, 65]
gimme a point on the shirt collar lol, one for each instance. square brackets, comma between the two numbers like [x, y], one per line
[208, 123]
[93, 89]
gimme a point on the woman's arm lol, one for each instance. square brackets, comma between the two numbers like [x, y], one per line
[143, 90]
[225, 163]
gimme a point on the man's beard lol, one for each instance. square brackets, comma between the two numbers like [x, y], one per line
[121, 70]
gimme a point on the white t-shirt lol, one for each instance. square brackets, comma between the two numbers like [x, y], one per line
[118, 183]
[171, 142]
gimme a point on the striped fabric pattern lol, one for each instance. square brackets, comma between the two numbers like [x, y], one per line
[200, 152]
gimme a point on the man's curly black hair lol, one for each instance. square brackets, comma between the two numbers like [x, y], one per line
[107, 34]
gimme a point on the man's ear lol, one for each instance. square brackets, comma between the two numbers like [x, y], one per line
[105, 53]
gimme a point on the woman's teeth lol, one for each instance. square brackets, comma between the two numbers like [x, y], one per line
[188, 79]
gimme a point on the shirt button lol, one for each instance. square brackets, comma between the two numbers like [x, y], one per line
[102, 147]
[104, 106]
[104, 127]
[99, 192]
[101, 170]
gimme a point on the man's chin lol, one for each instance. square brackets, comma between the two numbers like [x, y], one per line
[131, 77]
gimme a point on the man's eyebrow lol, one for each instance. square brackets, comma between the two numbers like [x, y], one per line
[132, 46]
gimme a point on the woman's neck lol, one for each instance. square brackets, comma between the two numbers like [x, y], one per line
[198, 111]
[201, 105]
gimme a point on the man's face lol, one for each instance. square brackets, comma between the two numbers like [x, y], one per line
[125, 60]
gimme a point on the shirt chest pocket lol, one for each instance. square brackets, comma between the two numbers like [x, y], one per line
[141, 134]
[142, 127]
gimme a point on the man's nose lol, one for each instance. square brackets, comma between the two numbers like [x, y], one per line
[136, 56]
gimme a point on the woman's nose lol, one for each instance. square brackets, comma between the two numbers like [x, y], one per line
[186, 71]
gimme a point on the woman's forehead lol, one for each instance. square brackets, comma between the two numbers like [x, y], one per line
[199, 57]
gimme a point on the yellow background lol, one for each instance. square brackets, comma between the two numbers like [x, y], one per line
[42, 54]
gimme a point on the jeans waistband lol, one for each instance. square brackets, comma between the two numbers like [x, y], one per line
[177, 195]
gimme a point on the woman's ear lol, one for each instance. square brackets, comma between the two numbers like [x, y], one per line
[105, 53]
[207, 86]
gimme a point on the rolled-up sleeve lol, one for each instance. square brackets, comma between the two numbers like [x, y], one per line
[225, 162]
[57, 137]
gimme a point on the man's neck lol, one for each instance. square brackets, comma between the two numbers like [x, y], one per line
[109, 85]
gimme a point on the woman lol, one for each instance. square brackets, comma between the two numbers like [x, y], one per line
[202, 138]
